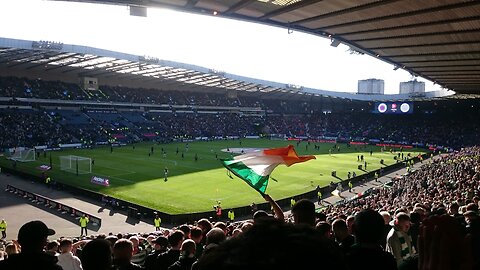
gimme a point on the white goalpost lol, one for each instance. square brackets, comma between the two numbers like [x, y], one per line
[76, 164]
[22, 154]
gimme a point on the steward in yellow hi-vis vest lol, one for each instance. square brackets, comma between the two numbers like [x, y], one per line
[157, 221]
[83, 224]
[231, 215]
[3, 228]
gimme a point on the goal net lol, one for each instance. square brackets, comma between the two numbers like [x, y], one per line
[23, 154]
[76, 164]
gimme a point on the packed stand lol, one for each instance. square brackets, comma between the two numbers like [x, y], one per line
[37, 88]
[90, 127]
[431, 123]
[30, 128]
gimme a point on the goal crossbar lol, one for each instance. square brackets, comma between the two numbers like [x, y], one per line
[23, 154]
[76, 164]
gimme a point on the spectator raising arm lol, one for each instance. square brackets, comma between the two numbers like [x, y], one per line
[276, 208]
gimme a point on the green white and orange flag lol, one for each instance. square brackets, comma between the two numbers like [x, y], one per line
[255, 168]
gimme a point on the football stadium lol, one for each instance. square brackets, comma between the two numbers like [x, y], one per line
[114, 157]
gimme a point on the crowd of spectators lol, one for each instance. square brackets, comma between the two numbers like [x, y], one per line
[29, 127]
[452, 181]
[428, 219]
[57, 90]
[419, 128]
[41, 127]
[37, 88]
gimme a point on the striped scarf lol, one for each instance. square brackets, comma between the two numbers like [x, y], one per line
[405, 250]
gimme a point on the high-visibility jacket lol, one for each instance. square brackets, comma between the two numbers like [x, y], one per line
[157, 222]
[231, 215]
[3, 226]
[83, 221]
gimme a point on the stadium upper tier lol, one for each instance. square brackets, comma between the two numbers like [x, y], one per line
[58, 61]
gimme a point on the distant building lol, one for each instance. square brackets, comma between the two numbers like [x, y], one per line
[412, 87]
[371, 87]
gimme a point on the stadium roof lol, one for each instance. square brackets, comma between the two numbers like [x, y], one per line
[437, 40]
[58, 60]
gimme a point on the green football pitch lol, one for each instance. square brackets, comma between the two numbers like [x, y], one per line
[195, 186]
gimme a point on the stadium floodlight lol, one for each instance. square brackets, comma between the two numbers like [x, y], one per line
[22, 154]
[76, 164]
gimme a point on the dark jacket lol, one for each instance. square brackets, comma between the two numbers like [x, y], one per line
[126, 265]
[183, 263]
[151, 260]
[27, 261]
[168, 258]
[370, 257]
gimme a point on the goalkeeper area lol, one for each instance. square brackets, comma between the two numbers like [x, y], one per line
[76, 164]
[135, 173]
[22, 154]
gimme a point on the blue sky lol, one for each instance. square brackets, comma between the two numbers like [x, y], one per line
[236, 47]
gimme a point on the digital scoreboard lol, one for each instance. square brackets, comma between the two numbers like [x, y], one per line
[393, 107]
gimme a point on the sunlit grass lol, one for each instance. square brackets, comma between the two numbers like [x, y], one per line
[194, 186]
